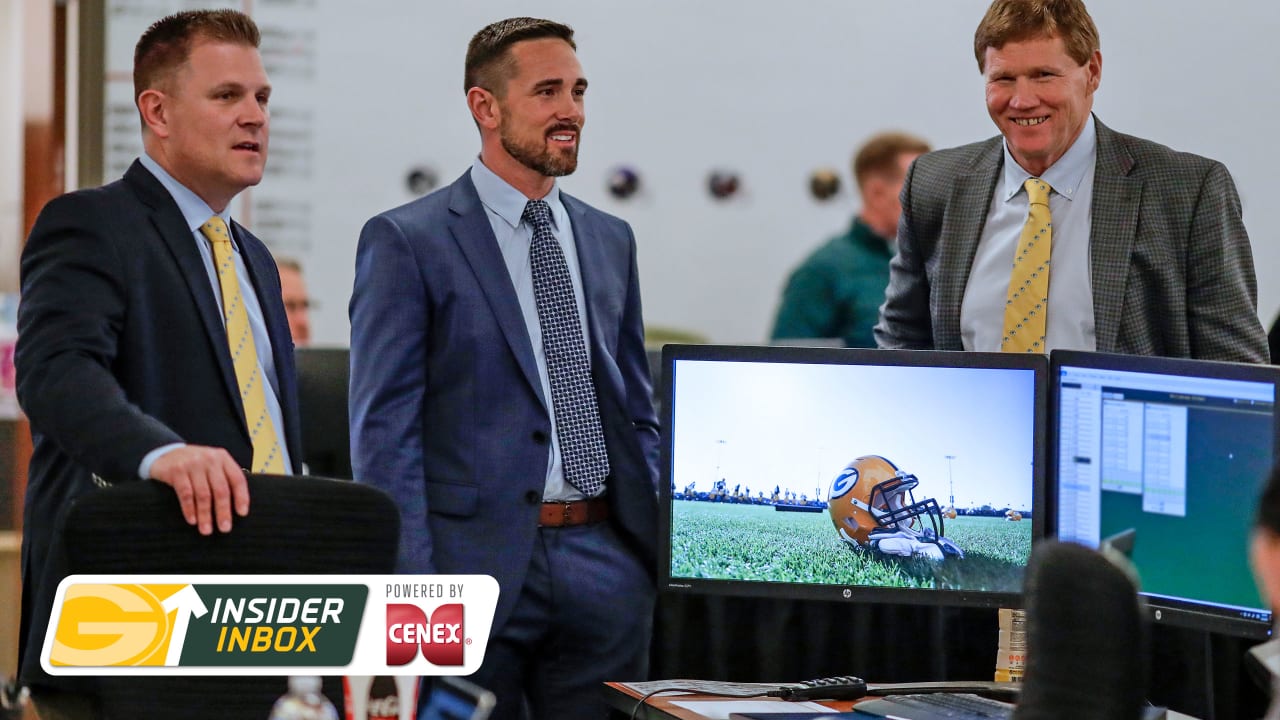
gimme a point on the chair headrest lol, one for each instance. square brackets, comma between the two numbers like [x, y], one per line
[296, 524]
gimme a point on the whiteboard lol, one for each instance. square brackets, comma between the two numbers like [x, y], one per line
[679, 89]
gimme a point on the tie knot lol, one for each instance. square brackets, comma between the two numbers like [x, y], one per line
[216, 230]
[537, 213]
[1037, 191]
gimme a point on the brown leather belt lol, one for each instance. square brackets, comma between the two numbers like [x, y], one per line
[579, 512]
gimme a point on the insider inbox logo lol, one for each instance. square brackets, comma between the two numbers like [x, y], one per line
[208, 625]
[440, 636]
[277, 625]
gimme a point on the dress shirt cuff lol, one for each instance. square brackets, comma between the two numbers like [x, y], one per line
[144, 468]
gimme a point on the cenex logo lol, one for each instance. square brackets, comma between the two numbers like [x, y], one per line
[441, 639]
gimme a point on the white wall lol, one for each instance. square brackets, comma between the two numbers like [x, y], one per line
[679, 88]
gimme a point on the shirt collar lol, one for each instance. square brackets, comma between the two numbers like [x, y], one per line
[507, 202]
[1065, 175]
[194, 210]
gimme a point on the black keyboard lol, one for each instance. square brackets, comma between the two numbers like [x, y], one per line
[937, 706]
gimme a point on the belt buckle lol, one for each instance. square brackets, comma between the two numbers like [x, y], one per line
[566, 513]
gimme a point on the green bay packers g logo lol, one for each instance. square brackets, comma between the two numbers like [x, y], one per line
[118, 625]
[844, 482]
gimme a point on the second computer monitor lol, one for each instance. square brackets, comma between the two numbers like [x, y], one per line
[880, 475]
[1164, 460]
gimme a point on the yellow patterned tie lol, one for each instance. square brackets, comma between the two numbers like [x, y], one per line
[1027, 305]
[244, 353]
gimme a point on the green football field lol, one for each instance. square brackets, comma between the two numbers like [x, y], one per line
[755, 542]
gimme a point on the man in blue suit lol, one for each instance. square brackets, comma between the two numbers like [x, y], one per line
[500, 392]
[123, 360]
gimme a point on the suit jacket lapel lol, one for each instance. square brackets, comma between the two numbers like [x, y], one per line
[591, 259]
[1113, 225]
[471, 230]
[260, 265]
[962, 224]
[173, 230]
[272, 313]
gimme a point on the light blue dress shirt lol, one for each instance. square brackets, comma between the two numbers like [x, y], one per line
[504, 206]
[196, 212]
[1070, 323]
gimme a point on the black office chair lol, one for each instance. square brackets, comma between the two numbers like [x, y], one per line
[324, 375]
[1086, 641]
[295, 525]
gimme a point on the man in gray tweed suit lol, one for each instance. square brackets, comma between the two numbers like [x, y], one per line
[1149, 252]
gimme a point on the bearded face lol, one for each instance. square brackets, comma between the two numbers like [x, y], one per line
[552, 152]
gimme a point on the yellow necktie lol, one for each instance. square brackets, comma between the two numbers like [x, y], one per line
[244, 353]
[1027, 305]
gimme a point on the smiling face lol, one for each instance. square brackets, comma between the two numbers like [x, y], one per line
[208, 123]
[1039, 98]
[534, 126]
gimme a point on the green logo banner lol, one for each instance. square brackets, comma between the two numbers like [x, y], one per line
[275, 625]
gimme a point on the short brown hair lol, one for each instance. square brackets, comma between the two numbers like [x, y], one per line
[1016, 20]
[489, 65]
[166, 45]
[288, 263]
[880, 154]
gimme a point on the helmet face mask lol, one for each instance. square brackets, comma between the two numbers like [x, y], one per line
[871, 497]
[901, 511]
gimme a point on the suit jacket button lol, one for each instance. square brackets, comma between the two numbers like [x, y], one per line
[540, 437]
[533, 497]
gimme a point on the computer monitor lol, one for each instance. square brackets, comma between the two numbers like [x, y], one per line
[654, 357]
[1165, 459]
[863, 475]
[323, 378]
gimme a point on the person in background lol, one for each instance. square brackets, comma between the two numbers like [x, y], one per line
[1273, 341]
[1121, 245]
[837, 291]
[500, 390]
[296, 301]
[132, 297]
[1264, 557]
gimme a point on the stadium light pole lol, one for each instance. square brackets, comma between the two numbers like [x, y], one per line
[951, 480]
[719, 456]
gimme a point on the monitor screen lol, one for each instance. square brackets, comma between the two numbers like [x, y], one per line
[870, 475]
[1165, 459]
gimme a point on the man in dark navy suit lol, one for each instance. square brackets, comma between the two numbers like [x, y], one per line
[128, 299]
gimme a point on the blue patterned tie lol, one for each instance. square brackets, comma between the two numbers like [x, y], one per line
[582, 450]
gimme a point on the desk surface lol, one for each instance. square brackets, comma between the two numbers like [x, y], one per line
[663, 707]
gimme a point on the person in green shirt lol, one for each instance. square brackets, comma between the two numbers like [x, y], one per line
[837, 291]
